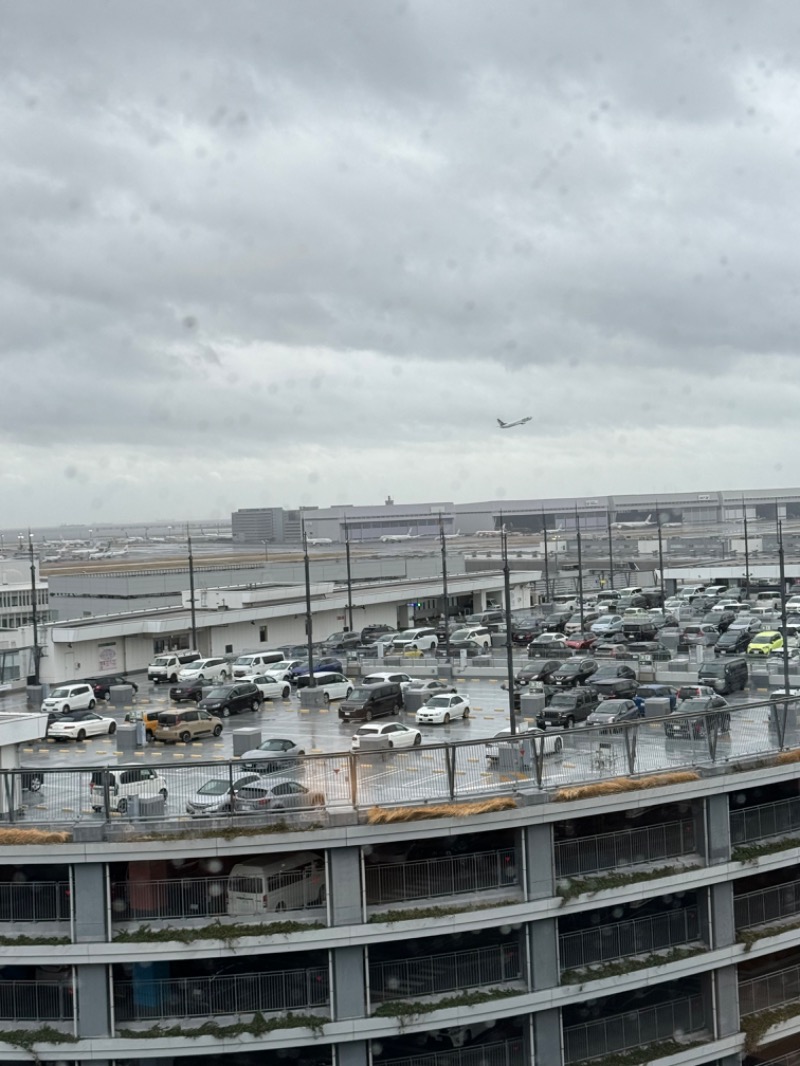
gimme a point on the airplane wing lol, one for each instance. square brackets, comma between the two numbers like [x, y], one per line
[502, 425]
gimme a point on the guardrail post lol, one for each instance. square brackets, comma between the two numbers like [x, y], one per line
[107, 794]
[352, 772]
[450, 757]
[711, 722]
[8, 796]
[538, 759]
[631, 735]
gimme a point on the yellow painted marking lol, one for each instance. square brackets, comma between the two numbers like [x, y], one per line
[473, 760]
[193, 756]
[304, 710]
[178, 755]
[459, 773]
[438, 771]
[323, 710]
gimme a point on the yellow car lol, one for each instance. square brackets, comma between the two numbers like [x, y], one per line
[764, 643]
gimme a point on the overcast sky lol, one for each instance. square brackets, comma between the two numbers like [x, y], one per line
[308, 252]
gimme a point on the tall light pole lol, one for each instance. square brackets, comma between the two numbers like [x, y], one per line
[349, 578]
[309, 635]
[782, 570]
[546, 562]
[512, 718]
[660, 557]
[191, 590]
[445, 595]
[34, 614]
[580, 569]
[610, 550]
[746, 554]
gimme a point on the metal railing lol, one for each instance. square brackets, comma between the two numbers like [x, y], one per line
[31, 1001]
[429, 773]
[501, 1053]
[629, 847]
[618, 940]
[634, 1029]
[430, 974]
[446, 876]
[767, 904]
[765, 821]
[198, 997]
[769, 990]
[35, 901]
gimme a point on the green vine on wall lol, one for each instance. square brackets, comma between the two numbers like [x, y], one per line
[623, 966]
[257, 1026]
[751, 852]
[409, 915]
[214, 931]
[755, 1026]
[408, 1010]
[579, 886]
[640, 1055]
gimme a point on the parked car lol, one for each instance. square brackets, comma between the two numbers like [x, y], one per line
[392, 734]
[581, 641]
[575, 672]
[271, 686]
[525, 630]
[102, 685]
[186, 725]
[396, 677]
[205, 670]
[276, 753]
[324, 664]
[725, 675]
[375, 700]
[440, 710]
[566, 707]
[613, 712]
[610, 671]
[225, 700]
[422, 638]
[275, 796]
[699, 635]
[376, 632]
[216, 795]
[334, 686]
[121, 784]
[347, 642]
[765, 643]
[78, 725]
[614, 688]
[606, 624]
[189, 690]
[430, 685]
[657, 651]
[711, 708]
[654, 691]
[733, 641]
[546, 643]
[74, 697]
[553, 742]
[539, 671]
[721, 619]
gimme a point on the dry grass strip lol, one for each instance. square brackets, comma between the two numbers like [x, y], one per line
[385, 815]
[787, 757]
[625, 784]
[34, 836]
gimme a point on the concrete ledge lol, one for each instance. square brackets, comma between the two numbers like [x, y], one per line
[312, 698]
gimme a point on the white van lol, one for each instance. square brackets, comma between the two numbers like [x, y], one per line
[76, 697]
[273, 885]
[256, 663]
[424, 639]
[771, 599]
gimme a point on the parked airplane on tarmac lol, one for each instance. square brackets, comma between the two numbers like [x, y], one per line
[510, 425]
[396, 538]
[647, 524]
[318, 542]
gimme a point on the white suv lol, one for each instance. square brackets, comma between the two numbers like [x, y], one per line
[77, 697]
[421, 639]
[122, 785]
[205, 670]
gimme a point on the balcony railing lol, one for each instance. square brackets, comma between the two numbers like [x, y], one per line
[767, 905]
[500, 1053]
[447, 876]
[32, 1001]
[199, 997]
[634, 1029]
[618, 940]
[765, 821]
[35, 901]
[769, 990]
[432, 974]
[629, 847]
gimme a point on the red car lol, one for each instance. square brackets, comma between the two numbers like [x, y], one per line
[582, 641]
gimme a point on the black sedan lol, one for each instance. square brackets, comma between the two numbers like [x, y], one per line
[657, 651]
[613, 712]
[605, 673]
[712, 710]
[538, 671]
[102, 685]
[575, 672]
[189, 690]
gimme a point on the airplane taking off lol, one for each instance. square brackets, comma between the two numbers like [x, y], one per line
[318, 541]
[648, 522]
[510, 425]
[452, 536]
[395, 538]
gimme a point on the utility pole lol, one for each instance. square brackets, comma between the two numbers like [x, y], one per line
[610, 550]
[783, 611]
[445, 596]
[349, 578]
[580, 569]
[512, 718]
[37, 651]
[191, 591]
[660, 558]
[746, 554]
[309, 636]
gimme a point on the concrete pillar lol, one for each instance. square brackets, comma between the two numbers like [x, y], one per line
[725, 989]
[712, 829]
[721, 915]
[543, 946]
[354, 1053]
[94, 1008]
[547, 1037]
[537, 842]
[344, 886]
[89, 901]
[348, 995]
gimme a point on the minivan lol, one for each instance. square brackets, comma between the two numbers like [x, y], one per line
[186, 725]
[724, 675]
[771, 599]
[470, 637]
[414, 639]
[122, 785]
[371, 701]
[77, 697]
[257, 663]
[205, 669]
[263, 886]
